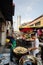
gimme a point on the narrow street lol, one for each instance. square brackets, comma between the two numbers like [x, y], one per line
[21, 32]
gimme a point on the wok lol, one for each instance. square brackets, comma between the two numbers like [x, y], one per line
[20, 51]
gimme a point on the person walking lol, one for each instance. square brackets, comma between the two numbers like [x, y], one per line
[12, 44]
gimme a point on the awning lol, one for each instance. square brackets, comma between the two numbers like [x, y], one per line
[25, 29]
[37, 27]
[29, 28]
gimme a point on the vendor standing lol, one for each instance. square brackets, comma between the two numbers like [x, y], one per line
[35, 47]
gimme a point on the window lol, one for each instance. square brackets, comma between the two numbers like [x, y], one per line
[37, 24]
[32, 25]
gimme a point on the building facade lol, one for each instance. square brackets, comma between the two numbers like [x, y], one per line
[6, 13]
[18, 22]
[38, 22]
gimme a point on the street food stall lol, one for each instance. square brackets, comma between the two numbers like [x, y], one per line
[27, 31]
[23, 58]
[34, 30]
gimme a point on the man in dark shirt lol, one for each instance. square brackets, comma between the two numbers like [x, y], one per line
[12, 44]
